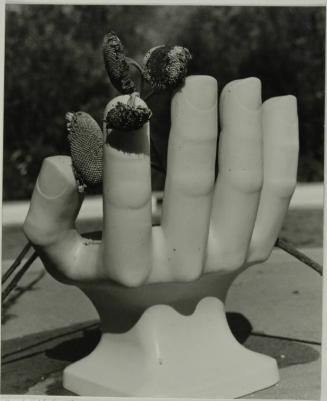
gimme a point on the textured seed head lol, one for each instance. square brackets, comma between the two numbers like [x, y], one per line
[166, 67]
[128, 115]
[116, 65]
[86, 147]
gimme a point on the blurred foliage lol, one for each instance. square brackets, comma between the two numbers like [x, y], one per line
[53, 64]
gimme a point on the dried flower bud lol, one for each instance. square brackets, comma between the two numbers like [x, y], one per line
[166, 67]
[128, 116]
[86, 147]
[116, 65]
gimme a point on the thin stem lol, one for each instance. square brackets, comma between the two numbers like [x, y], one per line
[135, 64]
[157, 168]
[18, 276]
[150, 94]
[16, 263]
[139, 68]
[287, 247]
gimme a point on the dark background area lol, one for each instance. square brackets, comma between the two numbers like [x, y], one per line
[53, 64]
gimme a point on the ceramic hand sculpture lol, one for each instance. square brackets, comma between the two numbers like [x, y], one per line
[160, 291]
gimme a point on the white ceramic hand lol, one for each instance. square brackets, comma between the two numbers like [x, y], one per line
[207, 226]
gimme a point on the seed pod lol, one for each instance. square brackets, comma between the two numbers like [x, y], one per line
[86, 147]
[116, 65]
[128, 116]
[166, 67]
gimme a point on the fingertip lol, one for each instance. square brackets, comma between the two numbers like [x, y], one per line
[55, 202]
[241, 98]
[194, 109]
[246, 91]
[56, 176]
[200, 91]
[283, 108]
[249, 92]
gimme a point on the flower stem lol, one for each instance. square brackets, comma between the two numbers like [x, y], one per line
[16, 263]
[150, 94]
[132, 99]
[139, 68]
[135, 64]
[18, 276]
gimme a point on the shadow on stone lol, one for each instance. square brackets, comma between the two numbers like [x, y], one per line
[15, 295]
[239, 325]
[286, 352]
[76, 348]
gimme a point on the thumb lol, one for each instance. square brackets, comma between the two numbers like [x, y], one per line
[55, 201]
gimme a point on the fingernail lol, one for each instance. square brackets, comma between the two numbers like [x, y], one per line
[248, 92]
[55, 176]
[282, 108]
[200, 91]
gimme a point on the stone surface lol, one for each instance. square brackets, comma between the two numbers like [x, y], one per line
[279, 298]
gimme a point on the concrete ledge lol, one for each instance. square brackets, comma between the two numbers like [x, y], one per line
[290, 295]
[306, 196]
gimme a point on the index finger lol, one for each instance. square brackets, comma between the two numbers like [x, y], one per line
[126, 242]
[190, 175]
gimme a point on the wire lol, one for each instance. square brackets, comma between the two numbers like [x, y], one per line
[298, 340]
[287, 247]
[18, 276]
[84, 327]
[16, 263]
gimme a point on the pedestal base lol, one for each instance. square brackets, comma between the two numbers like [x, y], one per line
[167, 354]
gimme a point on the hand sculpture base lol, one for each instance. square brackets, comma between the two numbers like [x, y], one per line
[168, 352]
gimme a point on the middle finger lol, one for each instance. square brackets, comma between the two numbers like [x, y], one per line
[239, 181]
